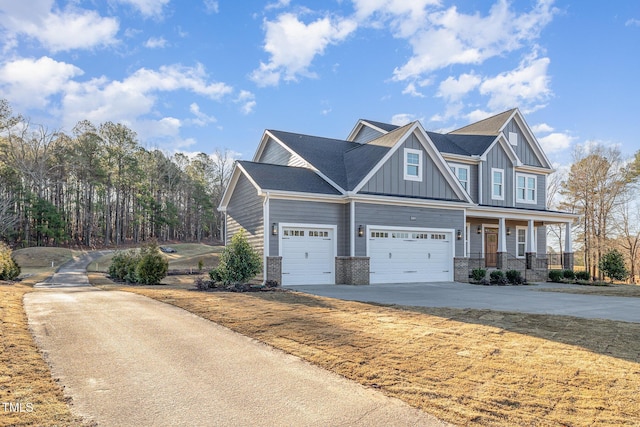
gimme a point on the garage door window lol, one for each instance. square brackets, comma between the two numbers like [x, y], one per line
[294, 233]
[318, 234]
[379, 234]
[399, 235]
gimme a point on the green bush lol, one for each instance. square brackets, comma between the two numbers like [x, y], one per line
[9, 268]
[514, 277]
[478, 274]
[569, 274]
[123, 265]
[612, 265]
[583, 275]
[215, 276]
[556, 275]
[497, 277]
[152, 267]
[239, 262]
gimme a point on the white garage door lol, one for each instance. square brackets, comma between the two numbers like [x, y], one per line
[308, 256]
[410, 256]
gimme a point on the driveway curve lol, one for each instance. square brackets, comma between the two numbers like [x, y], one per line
[127, 360]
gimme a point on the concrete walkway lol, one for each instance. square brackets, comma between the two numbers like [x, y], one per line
[127, 360]
[525, 299]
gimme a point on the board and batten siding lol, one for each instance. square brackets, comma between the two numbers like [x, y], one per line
[245, 211]
[523, 150]
[308, 212]
[366, 134]
[401, 216]
[497, 158]
[541, 194]
[389, 179]
[275, 154]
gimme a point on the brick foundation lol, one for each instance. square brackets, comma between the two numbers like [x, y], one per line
[274, 269]
[352, 270]
[461, 270]
[569, 262]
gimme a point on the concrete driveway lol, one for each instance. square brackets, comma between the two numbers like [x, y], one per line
[128, 360]
[525, 299]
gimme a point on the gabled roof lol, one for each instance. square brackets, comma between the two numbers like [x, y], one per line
[379, 127]
[384, 126]
[465, 145]
[286, 178]
[490, 126]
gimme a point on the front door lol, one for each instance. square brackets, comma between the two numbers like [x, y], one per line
[491, 247]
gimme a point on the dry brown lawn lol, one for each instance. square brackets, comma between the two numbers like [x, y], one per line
[468, 367]
[24, 375]
[611, 290]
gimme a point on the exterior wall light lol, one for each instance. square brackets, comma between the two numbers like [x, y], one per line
[479, 229]
[508, 231]
[360, 231]
[459, 235]
[274, 229]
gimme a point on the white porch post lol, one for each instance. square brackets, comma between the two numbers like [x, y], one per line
[530, 237]
[502, 236]
[568, 246]
[352, 227]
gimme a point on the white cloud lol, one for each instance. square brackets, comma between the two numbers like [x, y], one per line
[247, 101]
[453, 89]
[405, 16]
[527, 86]
[402, 119]
[29, 83]
[156, 43]
[541, 128]
[632, 22]
[449, 37]
[147, 8]
[411, 89]
[211, 6]
[556, 141]
[280, 4]
[293, 45]
[201, 118]
[56, 30]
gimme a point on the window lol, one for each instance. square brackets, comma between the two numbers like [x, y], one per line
[521, 242]
[513, 138]
[462, 173]
[526, 188]
[412, 164]
[497, 184]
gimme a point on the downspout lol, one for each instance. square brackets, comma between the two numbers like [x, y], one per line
[266, 233]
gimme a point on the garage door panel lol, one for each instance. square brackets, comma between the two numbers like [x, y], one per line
[414, 256]
[307, 256]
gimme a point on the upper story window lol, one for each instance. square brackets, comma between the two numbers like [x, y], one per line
[462, 173]
[412, 164]
[497, 184]
[526, 188]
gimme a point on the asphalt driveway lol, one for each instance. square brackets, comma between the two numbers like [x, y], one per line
[525, 299]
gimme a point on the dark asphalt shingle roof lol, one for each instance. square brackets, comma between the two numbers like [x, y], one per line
[287, 178]
[384, 126]
[466, 145]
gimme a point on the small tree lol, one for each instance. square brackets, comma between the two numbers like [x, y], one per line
[9, 268]
[239, 262]
[152, 266]
[612, 265]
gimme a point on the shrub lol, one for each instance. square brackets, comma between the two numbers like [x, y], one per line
[123, 266]
[239, 262]
[201, 284]
[569, 274]
[612, 265]
[151, 267]
[514, 277]
[556, 275]
[497, 277]
[478, 274]
[9, 268]
[583, 275]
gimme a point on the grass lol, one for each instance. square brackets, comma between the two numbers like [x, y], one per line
[40, 259]
[24, 375]
[469, 367]
[608, 290]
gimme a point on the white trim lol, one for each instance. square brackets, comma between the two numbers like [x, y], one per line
[524, 249]
[456, 167]
[496, 226]
[352, 228]
[406, 164]
[526, 189]
[359, 125]
[480, 182]
[467, 239]
[502, 184]
[495, 212]
[266, 232]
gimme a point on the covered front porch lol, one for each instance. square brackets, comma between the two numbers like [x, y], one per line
[511, 239]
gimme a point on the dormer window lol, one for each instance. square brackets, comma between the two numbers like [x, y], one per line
[412, 164]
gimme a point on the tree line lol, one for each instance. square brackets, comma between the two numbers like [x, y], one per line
[97, 186]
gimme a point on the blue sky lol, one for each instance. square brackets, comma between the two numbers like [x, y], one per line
[199, 75]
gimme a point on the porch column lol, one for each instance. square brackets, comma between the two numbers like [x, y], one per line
[531, 251]
[568, 261]
[502, 245]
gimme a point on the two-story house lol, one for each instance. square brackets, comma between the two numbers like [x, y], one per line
[393, 204]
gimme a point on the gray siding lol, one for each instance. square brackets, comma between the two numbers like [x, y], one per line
[497, 158]
[476, 241]
[523, 149]
[390, 178]
[542, 240]
[245, 212]
[366, 134]
[400, 216]
[473, 179]
[275, 154]
[305, 212]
